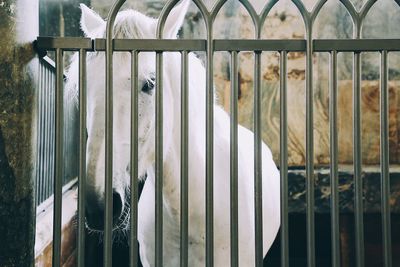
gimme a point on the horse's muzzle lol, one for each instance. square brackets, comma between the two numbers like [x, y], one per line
[95, 211]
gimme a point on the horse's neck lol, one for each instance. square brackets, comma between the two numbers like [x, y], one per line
[196, 136]
[172, 171]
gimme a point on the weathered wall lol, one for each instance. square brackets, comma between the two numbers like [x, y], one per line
[18, 27]
[284, 22]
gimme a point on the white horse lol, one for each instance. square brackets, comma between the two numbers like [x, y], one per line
[134, 25]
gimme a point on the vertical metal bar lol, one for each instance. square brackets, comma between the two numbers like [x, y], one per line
[385, 174]
[38, 134]
[67, 126]
[210, 151]
[58, 159]
[45, 177]
[108, 218]
[46, 95]
[184, 162]
[234, 159]
[159, 160]
[48, 90]
[51, 89]
[108, 200]
[357, 158]
[283, 161]
[133, 248]
[334, 160]
[46, 124]
[41, 134]
[258, 162]
[310, 152]
[82, 158]
[52, 136]
[39, 186]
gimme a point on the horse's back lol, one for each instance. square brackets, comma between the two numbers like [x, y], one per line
[270, 189]
[270, 194]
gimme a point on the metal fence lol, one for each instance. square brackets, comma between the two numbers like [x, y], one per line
[234, 47]
[45, 133]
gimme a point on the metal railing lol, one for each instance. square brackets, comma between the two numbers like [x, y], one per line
[46, 130]
[210, 45]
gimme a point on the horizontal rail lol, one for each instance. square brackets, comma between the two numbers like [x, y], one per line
[50, 64]
[319, 45]
[151, 45]
[47, 204]
[260, 45]
[65, 43]
[356, 45]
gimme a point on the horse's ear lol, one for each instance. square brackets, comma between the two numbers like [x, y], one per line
[175, 19]
[90, 20]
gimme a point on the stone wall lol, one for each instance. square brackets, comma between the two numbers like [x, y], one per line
[333, 22]
[18, 28]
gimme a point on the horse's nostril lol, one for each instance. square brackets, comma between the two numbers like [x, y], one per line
[117, 206]
[95, 211]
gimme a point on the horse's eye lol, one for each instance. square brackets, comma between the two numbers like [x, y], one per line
[149, 86]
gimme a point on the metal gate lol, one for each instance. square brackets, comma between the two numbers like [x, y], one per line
[45, 134]
[234, 47]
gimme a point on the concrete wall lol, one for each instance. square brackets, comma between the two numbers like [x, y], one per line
[18, 27]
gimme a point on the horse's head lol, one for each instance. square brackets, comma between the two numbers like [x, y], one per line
[133, 25]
